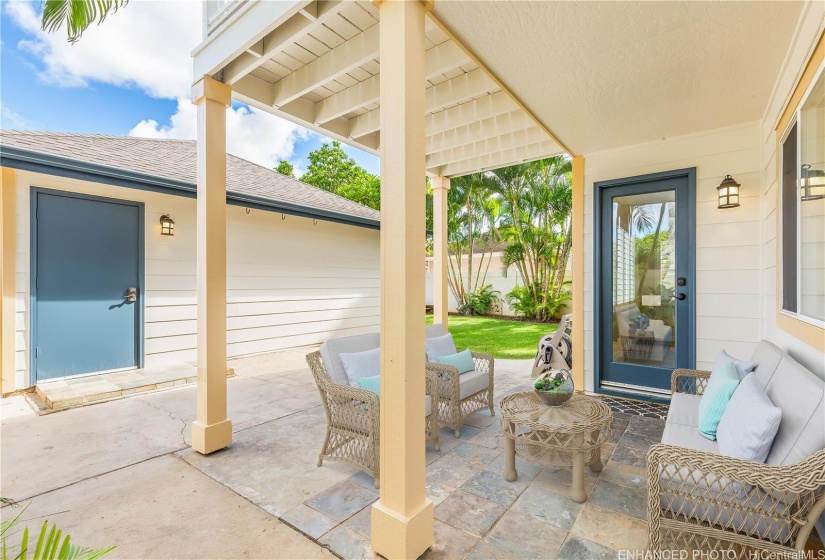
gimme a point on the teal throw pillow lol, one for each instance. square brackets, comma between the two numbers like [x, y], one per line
[463, 361]
[721, 385]
[372, 383]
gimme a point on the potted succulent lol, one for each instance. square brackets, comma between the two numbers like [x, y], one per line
[554, 387]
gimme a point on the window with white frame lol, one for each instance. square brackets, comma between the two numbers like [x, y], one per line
[802, 203]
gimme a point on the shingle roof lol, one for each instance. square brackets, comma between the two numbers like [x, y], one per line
[176, 160]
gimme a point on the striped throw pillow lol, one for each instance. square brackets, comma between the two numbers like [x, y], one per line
[721, 385]
[371, 383]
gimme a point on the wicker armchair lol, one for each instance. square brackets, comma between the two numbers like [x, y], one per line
[353, 420]
[701, 500]
[454, 407]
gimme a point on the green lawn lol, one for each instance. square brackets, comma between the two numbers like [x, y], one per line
[500, 337]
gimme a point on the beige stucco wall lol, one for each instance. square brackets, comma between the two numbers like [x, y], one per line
[290, 282]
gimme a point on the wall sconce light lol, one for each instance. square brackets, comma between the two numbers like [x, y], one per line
[813, 183]
[728, 192]
[167, 225]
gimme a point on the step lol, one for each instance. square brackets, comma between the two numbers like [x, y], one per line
[62, 394]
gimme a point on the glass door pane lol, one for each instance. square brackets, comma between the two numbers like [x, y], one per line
[644, 279]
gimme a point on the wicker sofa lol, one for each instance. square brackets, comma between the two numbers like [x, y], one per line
[465, 394]
[353, 414]
[699, 499]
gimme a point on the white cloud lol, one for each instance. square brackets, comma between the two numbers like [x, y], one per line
[147, 45]
[259, 137]
[10, 119]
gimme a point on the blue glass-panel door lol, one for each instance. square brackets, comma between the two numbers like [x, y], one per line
[645, 285]
[86, 288]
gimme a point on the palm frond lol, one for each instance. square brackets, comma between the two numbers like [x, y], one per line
[76, 15]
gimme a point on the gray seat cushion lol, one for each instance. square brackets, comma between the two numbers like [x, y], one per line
[689, 437]
[332, 348]
[469, 384]
[684, 409]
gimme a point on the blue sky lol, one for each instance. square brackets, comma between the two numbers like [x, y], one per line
[118, 81]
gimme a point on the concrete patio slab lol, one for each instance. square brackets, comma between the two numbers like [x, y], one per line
[127, 461]
[162, 508]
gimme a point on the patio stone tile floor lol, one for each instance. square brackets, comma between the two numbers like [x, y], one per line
[268, 483]
[479, 515]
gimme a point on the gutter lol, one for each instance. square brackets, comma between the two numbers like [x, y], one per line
[27, 160]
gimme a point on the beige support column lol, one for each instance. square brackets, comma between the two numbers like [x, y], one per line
[578, 271]
[402, 520]
[8, 255]
[440, 186]
[211, 430]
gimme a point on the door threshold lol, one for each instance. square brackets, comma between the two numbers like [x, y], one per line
[635, 392]
[64, 393]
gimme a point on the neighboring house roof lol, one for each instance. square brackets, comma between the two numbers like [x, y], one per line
[170, 166]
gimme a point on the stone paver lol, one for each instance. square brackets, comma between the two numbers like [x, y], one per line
[610, 529]
[89, 462]
[469, 512]
[341, 501]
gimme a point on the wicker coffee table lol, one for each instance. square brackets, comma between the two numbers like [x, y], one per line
[570, 434]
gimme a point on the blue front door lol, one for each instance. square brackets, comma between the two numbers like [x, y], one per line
[645, 281]
[86, 288]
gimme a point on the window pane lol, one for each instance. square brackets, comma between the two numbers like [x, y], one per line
[789, 236]
[811, 297]
[644, 278]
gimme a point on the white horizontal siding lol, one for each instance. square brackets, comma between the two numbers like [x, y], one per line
[806, 37]
[290, 282]
[727, 241]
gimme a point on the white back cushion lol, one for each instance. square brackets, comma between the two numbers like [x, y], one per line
[800, 395]
[439, 346]
[361, 364]
[435, 330]
[749, 423]
[332, 348]
[766, 358]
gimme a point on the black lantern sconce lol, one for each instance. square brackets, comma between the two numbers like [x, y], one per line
[167, 225]
[813, 183]
[728, 193]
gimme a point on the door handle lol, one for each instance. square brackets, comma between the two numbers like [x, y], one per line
[681, 297]
[130, 295]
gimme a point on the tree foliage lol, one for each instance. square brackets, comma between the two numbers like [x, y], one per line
[535, 224]
[472, 210]
[366, 192]
[331, 169]
[526, 210]
[285, 168]
[76, 15]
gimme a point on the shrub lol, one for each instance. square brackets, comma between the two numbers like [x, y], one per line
[523, 301]
[484, 300]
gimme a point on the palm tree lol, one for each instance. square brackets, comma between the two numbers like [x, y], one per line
[536, 201]
[77, 15]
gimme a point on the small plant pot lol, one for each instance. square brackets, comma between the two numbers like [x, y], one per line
[554, 387]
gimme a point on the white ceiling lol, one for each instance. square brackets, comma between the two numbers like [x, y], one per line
[601, 75]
